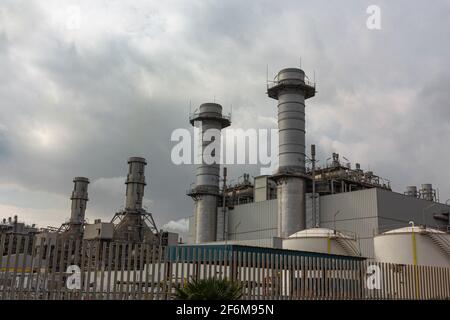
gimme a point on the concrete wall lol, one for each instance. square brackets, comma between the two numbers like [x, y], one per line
[102, 230]
[261, 188]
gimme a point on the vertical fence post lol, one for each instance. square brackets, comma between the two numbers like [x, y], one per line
[103, 265]
[147, 269]
[25, 267]
[56, 252]
[7, 268]
[115, 261]
[16, 265]
[263, 281]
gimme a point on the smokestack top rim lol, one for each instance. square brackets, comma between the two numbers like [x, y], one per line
[137, 159]
[211, 104]
[291, 74]
[291, 69]
[81, 179]
[293, 79]
[210, 111]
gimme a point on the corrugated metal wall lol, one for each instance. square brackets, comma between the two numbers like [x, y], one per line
[253, 221]
[364, 213]
[396, 210]
[358, 213]
[368, 212]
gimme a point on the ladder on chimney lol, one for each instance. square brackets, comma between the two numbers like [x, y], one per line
[348, 246]
[441, 242]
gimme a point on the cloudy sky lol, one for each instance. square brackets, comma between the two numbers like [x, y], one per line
[86, 84]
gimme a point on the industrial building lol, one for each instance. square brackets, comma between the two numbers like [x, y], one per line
[11, 225]
[132, 224]
[336, 208]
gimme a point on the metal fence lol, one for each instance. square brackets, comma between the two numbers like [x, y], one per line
[65, 269]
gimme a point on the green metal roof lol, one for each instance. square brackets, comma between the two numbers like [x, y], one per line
[221, 252]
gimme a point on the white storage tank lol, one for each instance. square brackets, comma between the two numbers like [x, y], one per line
[322, 240]
[413, 245]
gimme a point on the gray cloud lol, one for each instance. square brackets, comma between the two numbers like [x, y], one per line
[80, 102]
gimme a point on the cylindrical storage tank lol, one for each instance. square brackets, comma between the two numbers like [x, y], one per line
[414, 246]
[322, 240]
[135, 183]
[411, 191]
[427, 191]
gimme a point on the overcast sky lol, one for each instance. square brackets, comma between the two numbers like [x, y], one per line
[86, 84]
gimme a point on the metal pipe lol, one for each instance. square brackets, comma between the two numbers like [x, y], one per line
[224, 207]
[334, 220]
[313, 174]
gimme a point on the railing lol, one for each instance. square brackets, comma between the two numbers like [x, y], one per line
[202, 190]
[120, 270]
[195, 115]
[274, 83]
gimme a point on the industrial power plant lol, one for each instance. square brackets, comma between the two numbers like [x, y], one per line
[335, 209]
[304, 232]
[132, 224]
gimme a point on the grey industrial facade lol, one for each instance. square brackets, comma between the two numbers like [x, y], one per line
[363, 213]
[347, 199]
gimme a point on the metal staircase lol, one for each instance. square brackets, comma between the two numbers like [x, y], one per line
[441, 241]
[348, 246]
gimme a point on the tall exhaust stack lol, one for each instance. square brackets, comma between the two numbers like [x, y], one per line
[206, 192]
[135, 183]
[79, 201]
[291, 90]
[134, 222]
